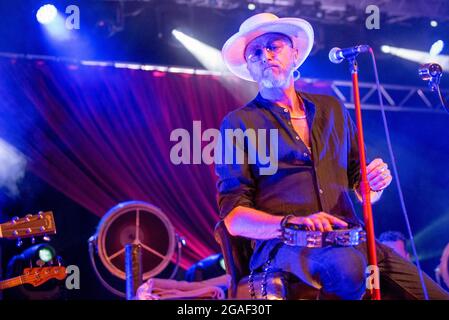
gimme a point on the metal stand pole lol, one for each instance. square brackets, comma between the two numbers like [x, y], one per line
[364, 185]
[133, 267]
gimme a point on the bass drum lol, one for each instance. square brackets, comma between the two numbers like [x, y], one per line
[140, 223]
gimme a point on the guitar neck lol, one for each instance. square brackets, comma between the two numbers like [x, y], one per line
[13, 282]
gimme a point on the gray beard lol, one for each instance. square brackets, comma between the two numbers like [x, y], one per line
[271, 82]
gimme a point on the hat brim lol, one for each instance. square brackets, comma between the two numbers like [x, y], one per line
[298, 30]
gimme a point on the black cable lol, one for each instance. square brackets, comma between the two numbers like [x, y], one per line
[443, 101]
[396, 176]
[178, 256]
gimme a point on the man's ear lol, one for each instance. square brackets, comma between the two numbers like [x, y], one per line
[249, 70]
[295, 53]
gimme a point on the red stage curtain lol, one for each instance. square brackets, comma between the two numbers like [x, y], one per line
[101, 135]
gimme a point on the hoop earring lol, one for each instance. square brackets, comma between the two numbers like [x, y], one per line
[296, 75]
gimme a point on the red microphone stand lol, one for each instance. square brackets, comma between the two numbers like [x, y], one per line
[364, 185]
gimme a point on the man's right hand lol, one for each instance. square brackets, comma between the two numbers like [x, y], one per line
[320, 221]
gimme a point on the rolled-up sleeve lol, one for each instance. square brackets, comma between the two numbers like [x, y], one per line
[235, 184]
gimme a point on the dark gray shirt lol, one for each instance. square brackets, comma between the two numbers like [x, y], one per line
[306, 181]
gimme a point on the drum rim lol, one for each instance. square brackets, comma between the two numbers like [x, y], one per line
[116, 212]
[444, 272]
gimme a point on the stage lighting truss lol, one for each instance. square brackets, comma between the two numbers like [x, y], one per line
[397, 97]
[334, 11]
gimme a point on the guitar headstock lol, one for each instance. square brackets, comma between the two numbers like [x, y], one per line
[39, 224]
[37, 276]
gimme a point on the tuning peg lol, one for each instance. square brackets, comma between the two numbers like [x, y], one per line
[14, 219]
[41, 215]
[46, 238]
[19, 242]
[28, 217]
[181, 241]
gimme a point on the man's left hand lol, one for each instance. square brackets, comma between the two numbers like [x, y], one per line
[379, 177]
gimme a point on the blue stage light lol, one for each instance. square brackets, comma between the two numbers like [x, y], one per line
[436, 48]
[46, 14]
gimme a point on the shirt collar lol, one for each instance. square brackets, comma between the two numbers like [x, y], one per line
[262, 102]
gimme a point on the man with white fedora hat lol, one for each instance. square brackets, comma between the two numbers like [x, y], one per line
[318, 164]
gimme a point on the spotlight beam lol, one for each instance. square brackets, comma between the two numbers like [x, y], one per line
[420, 57]
[212, 60]
[436, 48]
[208, 56]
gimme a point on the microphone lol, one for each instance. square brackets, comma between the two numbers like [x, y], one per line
[432, 73]
[337, 55]
[429, 71]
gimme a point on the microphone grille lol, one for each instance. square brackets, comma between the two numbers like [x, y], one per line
[333, 55]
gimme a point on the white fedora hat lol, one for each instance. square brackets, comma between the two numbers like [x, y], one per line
[298, 30]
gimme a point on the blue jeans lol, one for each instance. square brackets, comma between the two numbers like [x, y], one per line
[339, 272]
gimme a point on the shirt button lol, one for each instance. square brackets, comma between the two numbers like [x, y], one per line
[285, 110]
[289, 123]
[297, 138]
[306, 154]
[321, 191]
